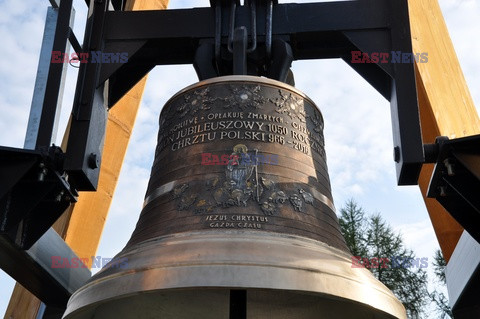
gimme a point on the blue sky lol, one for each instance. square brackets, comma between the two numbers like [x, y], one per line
[357, 122]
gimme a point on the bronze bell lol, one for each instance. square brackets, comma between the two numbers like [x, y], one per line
[238, 218]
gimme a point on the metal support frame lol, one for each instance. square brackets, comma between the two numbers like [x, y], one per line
[89, 114]
[298, 31]
[279, 34]
[455, 181]
[33, 269]
[238, 304]
[51, 96]
[34, 190]
[463, 278]
[41, 81]
[33, 193]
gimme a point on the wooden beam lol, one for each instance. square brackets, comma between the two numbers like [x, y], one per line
[446, 106]
[81, 226]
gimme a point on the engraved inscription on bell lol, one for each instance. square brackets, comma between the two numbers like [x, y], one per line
[240, 155]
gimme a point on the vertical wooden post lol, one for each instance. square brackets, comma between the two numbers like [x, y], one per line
[446, 106]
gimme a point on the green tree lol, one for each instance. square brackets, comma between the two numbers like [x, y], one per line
[440, 300]
[371, 238]
[352, 225]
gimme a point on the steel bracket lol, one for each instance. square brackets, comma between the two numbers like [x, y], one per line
[455, 181]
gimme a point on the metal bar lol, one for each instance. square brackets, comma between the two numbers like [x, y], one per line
[268, 29]
[55, 3]
[456, 179]
[178, 46]
[287, 19]
[203, 63]
[282, 58]
[218, 34]
[74, 41]
[231, 26]
[41, 79]
[54, 79]
[33, 268]
[253, 26]
[240, 51]
[461, 201]
[407, 135]
[89, 113]
[41, 311]
[238, 304]
[118, 4]
[63, 78]
[463, 278]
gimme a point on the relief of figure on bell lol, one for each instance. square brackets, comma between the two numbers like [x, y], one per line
[240, 168]
[240, 185]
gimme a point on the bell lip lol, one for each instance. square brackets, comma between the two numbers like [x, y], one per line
[291, 276]
[244, 78]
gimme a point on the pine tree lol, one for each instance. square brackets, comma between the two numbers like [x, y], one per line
[371, 238]
[352, 226]
[440, 300]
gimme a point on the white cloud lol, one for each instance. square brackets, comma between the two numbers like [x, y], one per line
[418, 236]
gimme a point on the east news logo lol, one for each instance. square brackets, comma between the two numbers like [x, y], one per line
[96, 57]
